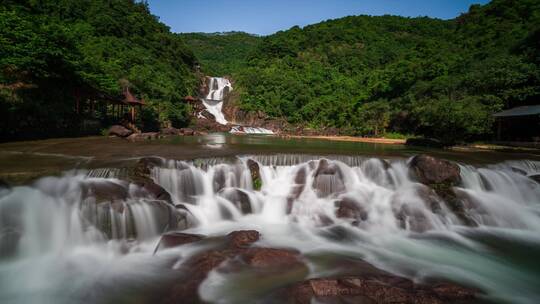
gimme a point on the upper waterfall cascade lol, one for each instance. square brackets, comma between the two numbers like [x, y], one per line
[213, 102]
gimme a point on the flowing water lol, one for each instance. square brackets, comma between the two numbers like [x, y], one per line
[250, 130]
[66, 240]
[214, 100]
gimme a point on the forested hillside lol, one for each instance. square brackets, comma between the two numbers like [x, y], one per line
[369, 75]
[221, 53]
[50, 50]
[363, 75]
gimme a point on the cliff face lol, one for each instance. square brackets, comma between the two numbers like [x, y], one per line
[217, 109]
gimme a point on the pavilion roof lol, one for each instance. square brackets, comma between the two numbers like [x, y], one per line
[519, 111]
[131, 99]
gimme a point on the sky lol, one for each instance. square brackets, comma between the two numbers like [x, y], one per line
[265, 17]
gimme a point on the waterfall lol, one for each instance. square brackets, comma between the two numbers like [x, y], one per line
[214, 100]
[346, 206]
[250, 130]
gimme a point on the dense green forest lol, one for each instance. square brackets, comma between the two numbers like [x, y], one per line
[221, 54]
[361, 74]
[370, 75]
[49, 50]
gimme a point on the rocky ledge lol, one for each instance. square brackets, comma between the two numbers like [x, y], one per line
[238, 252]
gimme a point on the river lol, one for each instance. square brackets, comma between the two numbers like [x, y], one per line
[64, 240]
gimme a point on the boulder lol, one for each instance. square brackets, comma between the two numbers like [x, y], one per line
[271, 257]
[104, 191]
[535, 177]
[170, 131]
[198, 266]
[119, 131]
[382, 288]
[143, 136]
[441, 176]
[242, 238]
[254, 169]
[238, 197]
[328, 179]
[297, 188]
[412, 218]
[187, 131]
[361, 282]
[156, 191]
[173, 239]
[4, 185]
[183, 218]
[425, 142]
[140, 173]
[430, 170]
[518, 171]
[349, 208]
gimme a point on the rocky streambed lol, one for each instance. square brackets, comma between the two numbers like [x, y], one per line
[258, 228]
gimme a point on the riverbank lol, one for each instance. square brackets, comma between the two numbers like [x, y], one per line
[22, 162]
[372, 140]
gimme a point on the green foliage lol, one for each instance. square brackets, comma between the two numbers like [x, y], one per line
[221, 53]
[371, 75]
[52, 49]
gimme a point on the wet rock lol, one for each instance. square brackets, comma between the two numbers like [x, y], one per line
[219, 180]
[375, 288]
[170, 131]
[197, 267]
[173, 239]
[143, 169]
[430, 198]
[270, 257]
[328, 179]
[156, 191]
[239, 198]
[412, 218]
[430, 170]
[349, 208]
[254, 169]
[441, 176]
[184, 219]
[535, 177]
[242, 238]
[143, 136]
[5, 188]
[518, 171]
[187, 132]
[298, 188]
[4, 185]
[104, 191]
[119, 131]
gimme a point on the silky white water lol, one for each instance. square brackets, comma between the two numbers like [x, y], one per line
[213, 102]
[61, 243]
[250, 130]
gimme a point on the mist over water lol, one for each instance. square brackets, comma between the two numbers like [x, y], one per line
[63, 241]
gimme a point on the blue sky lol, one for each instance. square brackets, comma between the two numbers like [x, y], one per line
[268, 16]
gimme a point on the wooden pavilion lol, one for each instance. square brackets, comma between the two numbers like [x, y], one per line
[89, 99]
[519, 124]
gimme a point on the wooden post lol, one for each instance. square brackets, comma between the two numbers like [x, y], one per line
[499, 128]
[133, 114]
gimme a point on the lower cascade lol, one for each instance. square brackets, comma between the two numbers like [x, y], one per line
[82, 238]
[250, 130]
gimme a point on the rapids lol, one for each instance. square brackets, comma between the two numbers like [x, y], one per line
[64, 241]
